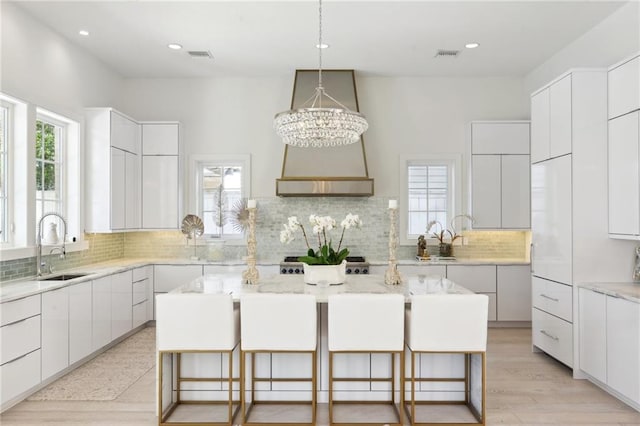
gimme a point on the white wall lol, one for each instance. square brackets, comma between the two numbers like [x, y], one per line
[406, 116]
[612, 40]
[45, 69]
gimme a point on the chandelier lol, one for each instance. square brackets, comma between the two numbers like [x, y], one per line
[311, 125]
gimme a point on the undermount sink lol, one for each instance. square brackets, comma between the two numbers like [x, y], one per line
[63, 277]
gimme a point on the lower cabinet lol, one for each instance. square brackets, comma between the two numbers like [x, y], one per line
[141, 289]
[101, 312]
[121, 297]
[55, 331]
[609, 342]
[552, 318]
[514, 293]
[479, 279]
[19, 375]
[80, 321]
[169, 277]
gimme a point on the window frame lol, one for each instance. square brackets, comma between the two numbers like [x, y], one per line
[196, 163]
[60, 161]
[5, 157]
[454, 164]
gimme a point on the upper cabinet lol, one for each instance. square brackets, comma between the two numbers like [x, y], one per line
[112, 171]
[624, 150]
[624, 87]
[161, 171]
[500, 174]
[551, 120]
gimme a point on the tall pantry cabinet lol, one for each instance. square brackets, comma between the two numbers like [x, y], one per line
[570, 241]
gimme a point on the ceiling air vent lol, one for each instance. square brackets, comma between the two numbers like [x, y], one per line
[443, 53]
[205, 54]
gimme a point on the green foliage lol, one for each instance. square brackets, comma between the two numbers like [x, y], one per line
[325, 256]
[45, 156]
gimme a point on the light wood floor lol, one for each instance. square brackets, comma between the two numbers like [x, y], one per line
[523, 388]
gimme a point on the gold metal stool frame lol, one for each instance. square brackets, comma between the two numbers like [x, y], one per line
[163, 416]
[410, 405]
[247, 411]
[391, 379]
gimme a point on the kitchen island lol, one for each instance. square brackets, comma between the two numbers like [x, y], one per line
[365, 366]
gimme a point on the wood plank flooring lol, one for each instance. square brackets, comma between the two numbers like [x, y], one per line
[523, 389]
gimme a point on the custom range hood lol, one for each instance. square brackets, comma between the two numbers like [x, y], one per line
[325, 172]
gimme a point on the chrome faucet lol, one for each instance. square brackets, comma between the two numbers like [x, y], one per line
[39, 262]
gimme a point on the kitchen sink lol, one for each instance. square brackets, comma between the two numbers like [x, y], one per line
[63, 277]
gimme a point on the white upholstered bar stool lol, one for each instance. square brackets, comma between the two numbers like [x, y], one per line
[195, 323]
[367, 323]
[277, 324]
[451, 324]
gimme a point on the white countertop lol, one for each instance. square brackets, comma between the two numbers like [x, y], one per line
[294, 284]
[629, 291]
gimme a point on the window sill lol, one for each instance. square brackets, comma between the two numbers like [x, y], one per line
[13, 253]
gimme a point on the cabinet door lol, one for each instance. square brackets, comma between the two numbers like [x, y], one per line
[624, 185]
[55, 332]
[80, 321]
[540, 126]
[160, 139]
[486, 193]
[500, 138]
[623, 347]
[132, 191]
[169, 277]
[101, 312]
[479, 279]
[160, 192]
[125, 133]
[593, 337]
[551, 219]
[118, 189]
[514, 293]
[515, 191]
[624, 88]
[560, 118]
[121, 301]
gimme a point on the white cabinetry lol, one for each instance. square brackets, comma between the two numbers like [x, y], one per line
[479, 279]
[593, 333]
[20, 349]
[121, 301]
[101, 312]
[161, 194]
[80, 321]
[500, 174]
[514, 293]
[624, 150]
[112, 171]
[142, 290]
[551, 112]
[55, 332]
[169, 277]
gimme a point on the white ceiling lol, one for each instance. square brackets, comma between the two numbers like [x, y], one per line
[267, 38]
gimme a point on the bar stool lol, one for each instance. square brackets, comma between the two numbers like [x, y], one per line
[277, 324]
[367, 323]
[194, 324]
[452, 324]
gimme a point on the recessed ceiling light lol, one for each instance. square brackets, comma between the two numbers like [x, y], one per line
[322, 46]
[174, 46]
[83, 33]
[471, 45]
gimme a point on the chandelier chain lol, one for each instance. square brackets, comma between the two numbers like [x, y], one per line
[320, 45]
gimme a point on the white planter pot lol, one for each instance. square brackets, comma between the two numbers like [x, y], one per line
[332, 274]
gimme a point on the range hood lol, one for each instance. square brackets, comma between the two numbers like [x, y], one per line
[325, 172]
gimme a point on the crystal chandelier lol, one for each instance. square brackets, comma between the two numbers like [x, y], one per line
[311, 125]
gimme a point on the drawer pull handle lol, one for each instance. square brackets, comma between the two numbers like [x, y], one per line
[17, 322]
[16, 359]
[549, 297]
[551, 336]
[140, 303]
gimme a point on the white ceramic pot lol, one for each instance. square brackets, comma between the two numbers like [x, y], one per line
[332, 274]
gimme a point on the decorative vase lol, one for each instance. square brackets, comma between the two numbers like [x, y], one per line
[446, 250]
[51, 237]
[332, 274]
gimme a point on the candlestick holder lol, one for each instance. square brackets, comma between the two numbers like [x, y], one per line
[392, 275]
[251, 275]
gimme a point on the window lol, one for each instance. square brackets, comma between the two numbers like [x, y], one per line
[220, 185]
[430, 192]
[4, 162]
[49, 166]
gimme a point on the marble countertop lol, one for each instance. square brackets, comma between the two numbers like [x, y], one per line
[294, 284]
[628, 291]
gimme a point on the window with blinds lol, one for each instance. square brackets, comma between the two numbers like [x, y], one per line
[428, 196]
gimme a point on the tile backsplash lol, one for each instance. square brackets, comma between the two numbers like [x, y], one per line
[370, 241]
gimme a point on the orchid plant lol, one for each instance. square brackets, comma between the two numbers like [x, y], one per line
[321, 228]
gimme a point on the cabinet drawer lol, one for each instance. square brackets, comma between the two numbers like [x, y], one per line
[417, 270]
[140, 313]
[140, 274]
[19, 338]
[19, 375]
[19, 309]
[169, 277]
[553, 335]
[479, 279]
[553, 298]
[140, 291]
